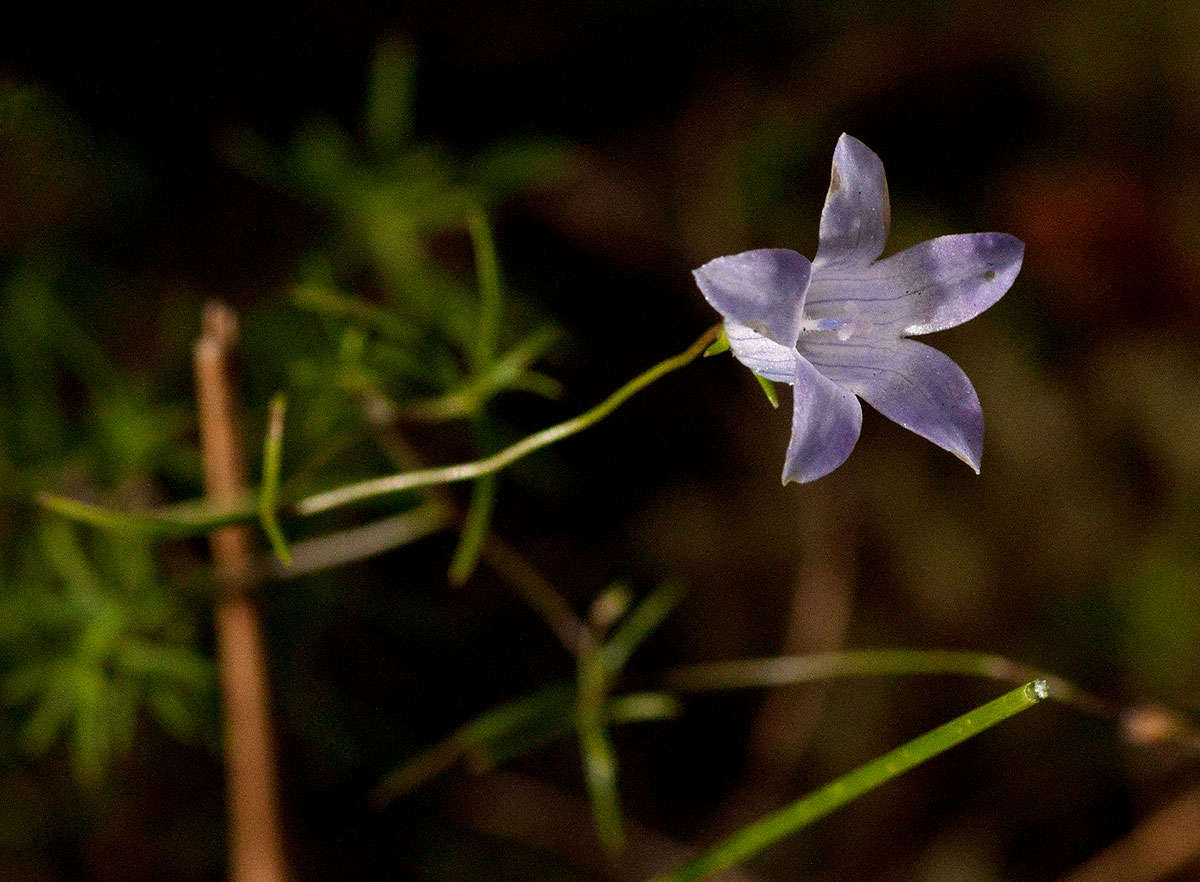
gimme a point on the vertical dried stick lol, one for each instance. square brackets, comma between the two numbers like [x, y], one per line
[256, 838]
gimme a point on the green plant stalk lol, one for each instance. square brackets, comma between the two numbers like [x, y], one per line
[192, 518]
[268, 494]
[469, 471]
[752, 839]
[196, 517]
[794, 669]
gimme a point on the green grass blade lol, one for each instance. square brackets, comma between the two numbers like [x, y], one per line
[769, 390]
[268, 494]
[638, 625]
[474, 531]
[752, 839]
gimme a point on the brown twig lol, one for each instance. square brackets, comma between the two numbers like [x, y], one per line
[256, 837]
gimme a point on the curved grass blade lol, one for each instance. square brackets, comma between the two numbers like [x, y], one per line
[752, 839]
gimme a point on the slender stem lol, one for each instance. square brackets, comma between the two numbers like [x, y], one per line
[752, 839]
[792, 669]
[268, 496]
[471, 470]
[256, 833]
[198, 517]
[536, 590]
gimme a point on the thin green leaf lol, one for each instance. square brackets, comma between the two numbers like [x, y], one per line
[721, 344]
[483, 496]
[268, 494]
[752, 839]
[640, 624]
[52, 713]
[633, 707]
[596, 750]
[475, 735]
[164, 663]
[791, 669]
[474, 531]
[62, 551]
[508, 371]
[643, 707]
[323, 300]
[610, 606]
[487, 272]
[769, 390]
[191, 518]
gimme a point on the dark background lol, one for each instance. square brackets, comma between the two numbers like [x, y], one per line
[692, 131]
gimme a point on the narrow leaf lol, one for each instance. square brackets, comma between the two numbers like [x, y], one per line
[721, 344]
[640, 624]
[752, 839]
[268, 494]
[596, 750]
[769, 389]
[192, 518]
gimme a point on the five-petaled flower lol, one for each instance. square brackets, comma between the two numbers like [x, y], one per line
[837, 327]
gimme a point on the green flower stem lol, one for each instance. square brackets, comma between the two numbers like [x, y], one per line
[792, 669]
[199, 517]
[752, 839]
[488, 465]
[192, 518]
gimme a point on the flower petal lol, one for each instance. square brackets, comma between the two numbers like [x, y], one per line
[765, 357]
[856, 217]
[826, 420]
[932, 286]
[911, 383]
[763, 290]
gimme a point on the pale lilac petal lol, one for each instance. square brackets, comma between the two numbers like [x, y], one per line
[911, 383]
[932, 286]
[763, 290]
[856, 217]
[826, 420]
[765, 357]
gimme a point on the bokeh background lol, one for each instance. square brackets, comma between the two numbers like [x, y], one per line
[151, 162]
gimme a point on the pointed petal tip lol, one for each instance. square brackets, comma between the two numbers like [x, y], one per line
[972, 459]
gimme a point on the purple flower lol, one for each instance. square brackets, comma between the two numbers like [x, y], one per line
[837, 327]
